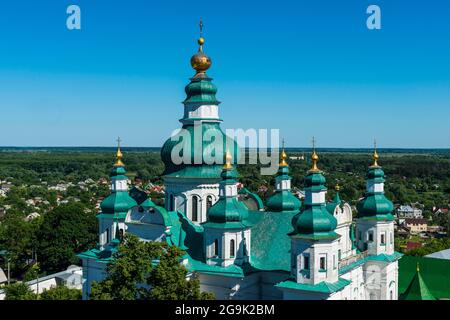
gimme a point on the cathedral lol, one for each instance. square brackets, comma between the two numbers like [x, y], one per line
[239, 247]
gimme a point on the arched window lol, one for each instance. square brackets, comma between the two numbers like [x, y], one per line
[391, 295]
[208, 202]
[121, 234]
[107, 235]
[232, 248]
[216, 248]
[194, 209]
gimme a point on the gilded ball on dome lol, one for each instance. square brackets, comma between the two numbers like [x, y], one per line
[201, 41]
[200, 62]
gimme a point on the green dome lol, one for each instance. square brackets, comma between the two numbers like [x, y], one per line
[116, 202]
[376, 174]
[375, 204]
[227, 209]
[118, 171]
[283, 200]
[314, 220]
[204, 154]
[202, 91]
[315, 179]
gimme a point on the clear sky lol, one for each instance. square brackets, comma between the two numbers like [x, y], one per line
[306, 67]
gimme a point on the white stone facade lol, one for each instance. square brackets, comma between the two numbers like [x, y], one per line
[185, 195]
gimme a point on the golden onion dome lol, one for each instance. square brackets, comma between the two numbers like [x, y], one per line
[200, 61]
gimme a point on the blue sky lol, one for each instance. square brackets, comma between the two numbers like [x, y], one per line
[306, 67]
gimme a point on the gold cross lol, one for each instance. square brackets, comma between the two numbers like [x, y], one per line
[314, 143]
[118, 141]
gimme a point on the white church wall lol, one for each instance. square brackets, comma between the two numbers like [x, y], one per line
[92, 271]
[184, 189]
[226, 288]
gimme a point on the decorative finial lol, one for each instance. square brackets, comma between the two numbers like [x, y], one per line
[418, 267]
[119, 155]
[337, 188]
[375, 156]
[283, 157]
[314, 157]
[200, 61]
[228, 158]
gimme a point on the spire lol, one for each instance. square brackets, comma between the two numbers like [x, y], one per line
[283, 157]
[200, 61]
[337, 197]
[228, 158]
[375, 156]
[119, 155]
[418, 289]
[314, 157]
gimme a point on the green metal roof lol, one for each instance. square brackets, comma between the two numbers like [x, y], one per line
[201, 151]
[322, 287]
[259, 203]
[201, 91]
[434, 272]
[283, 200]
[417, 290]
[119, 201]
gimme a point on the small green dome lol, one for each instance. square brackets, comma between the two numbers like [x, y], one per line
[375, 204]
[227, 209]
[283, 200]
[202, 91]
[314, 220]
[118, 171]
[119, 201]
[315, 179]
[375, 173]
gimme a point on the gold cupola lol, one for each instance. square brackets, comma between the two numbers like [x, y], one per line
[375, 156]
[119, 155]
[200, 61]
[228, 158]
[314, 158]
[283, 158]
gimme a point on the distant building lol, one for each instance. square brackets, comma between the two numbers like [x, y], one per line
[411, 245]
[71, 278]
[416, 225]
[444, 254]
[409, 212]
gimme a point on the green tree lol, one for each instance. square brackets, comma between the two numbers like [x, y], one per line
[131, 274]
[16, 238]
[19, 291]
[61, 293]
[167, 280]
[132, 262]
[65, 231]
